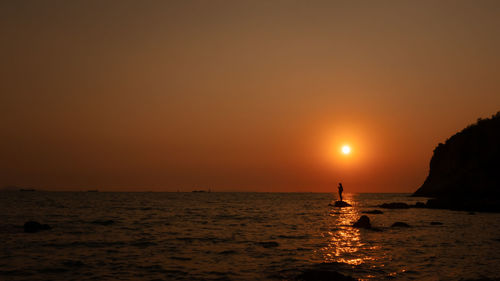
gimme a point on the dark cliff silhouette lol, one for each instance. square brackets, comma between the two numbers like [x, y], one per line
[465, 170]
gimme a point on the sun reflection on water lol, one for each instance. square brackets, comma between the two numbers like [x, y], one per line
[345, 243]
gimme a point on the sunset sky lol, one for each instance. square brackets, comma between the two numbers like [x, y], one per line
[239, 95]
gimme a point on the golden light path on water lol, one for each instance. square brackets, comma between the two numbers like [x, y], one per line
[345, 243]
[365, 250]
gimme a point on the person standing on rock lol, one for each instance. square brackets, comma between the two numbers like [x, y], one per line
[341, 189]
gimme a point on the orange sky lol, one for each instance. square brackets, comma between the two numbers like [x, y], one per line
[239, 95]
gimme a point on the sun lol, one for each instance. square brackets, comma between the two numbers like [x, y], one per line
[346, 149]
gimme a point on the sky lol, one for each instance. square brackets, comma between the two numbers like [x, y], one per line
[239, 95]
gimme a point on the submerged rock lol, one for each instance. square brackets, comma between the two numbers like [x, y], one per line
[363, 222]
[374, 212]
[400, 224]
[395, 205]
[73, 263]
[323, 275]
[104, 222]
[270, 244]
[436, 223]
[341, 204]
[33, 226]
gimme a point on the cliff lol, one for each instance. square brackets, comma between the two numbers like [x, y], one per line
[467, 165]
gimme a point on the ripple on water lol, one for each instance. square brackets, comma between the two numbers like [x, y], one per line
[238, 236]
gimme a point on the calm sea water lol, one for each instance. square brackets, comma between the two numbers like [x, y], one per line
[237, 236]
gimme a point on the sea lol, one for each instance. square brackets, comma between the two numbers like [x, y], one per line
[239, 236]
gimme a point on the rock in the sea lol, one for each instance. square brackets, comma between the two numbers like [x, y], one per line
[363, 222]
[103, 222]
[400, 224]
[419, 205]
[270, 244]
[463, 172]
[395, 205]
[341, 204]
[465, 204]
[436, 223]
[33, 226]
[73, 263]
[374, 212]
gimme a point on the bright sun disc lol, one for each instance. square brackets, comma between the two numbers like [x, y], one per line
[346, 149]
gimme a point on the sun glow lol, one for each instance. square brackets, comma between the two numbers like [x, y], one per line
[346, 149]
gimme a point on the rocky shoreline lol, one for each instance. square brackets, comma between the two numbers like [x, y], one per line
[455, 204]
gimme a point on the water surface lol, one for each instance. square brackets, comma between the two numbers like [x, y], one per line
[237, 236]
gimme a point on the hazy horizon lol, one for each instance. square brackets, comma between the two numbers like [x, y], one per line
[241, 96]
[189, 190]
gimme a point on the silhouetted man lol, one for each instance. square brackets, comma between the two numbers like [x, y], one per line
[340, 190]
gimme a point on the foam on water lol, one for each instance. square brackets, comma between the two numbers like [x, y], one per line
[237, 236]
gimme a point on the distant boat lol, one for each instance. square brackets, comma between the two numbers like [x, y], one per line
[27, 189]
[198, 191]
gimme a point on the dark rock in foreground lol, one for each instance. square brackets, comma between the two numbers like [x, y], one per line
[341, 204]
[395, 205]
[33, 226]
[374, 212]
[400, 224]
[363, 222]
